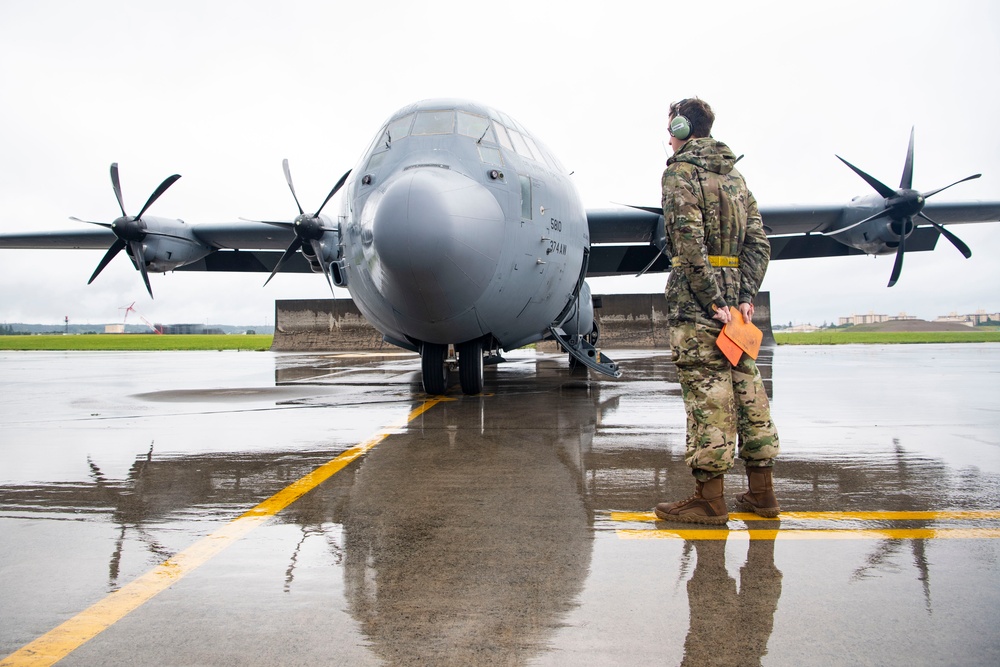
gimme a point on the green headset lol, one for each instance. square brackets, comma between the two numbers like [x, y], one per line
[680, 126]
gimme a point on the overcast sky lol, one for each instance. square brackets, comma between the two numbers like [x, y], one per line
[220, 92]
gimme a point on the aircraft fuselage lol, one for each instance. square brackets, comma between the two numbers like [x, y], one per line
[457, 225]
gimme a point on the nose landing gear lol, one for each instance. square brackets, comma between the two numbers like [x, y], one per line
[433, 368]
[435, 365]
[470, 366]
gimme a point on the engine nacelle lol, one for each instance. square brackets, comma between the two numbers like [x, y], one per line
[878, 237]
[169, 244]
[328, 249]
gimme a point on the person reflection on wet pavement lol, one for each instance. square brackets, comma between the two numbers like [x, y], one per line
[730, 627]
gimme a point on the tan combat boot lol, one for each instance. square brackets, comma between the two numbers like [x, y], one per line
[760, 498]
[707, 505]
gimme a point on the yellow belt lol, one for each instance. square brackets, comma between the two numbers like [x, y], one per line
[714, 260]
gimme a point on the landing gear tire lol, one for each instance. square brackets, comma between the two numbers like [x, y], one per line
[470, 367]
[433, 370]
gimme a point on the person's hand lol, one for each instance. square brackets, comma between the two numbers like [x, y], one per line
[722, 314]
[747, 310]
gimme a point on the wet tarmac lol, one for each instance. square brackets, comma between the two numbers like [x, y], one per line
[158, 508]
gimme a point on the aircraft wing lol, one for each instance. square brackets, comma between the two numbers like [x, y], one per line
[623, 238]
[233, 246]
[248, 261]
[245, 247]
[96, 238]
[243, 235]
[219, 235]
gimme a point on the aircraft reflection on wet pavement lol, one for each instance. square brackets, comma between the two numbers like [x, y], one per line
[474, 531]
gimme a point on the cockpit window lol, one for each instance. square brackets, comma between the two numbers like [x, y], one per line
[398, 128]
[490, 155]
[508, 121]
[534, 148]
[475, 126]
[376, 159]
[502, 137]
[434, 122]
[520, 145]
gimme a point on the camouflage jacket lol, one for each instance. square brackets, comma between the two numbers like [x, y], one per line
[708, 210]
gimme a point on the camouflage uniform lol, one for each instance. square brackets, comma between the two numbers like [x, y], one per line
[710, 214]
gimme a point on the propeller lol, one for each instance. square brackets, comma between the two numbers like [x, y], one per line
[307, 228]
[129, 231]
[902, 206]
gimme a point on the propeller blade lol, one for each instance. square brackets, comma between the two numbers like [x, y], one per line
[934, 192]
[318, 249]
[897, 266]
[167, 182]
[277, 223]
[305, 227]
[115, 248]
[140, 260]
[296, 244]
[955, 241]
[340, 184]
[117, 185]
[879, 186]
[881, 214]
[91, 222]
[288, 179]
[906, 182]
[650, 265]
[648, 209]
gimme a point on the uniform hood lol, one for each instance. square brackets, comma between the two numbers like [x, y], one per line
[706, 153]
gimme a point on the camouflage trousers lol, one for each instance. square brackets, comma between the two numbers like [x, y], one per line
[725, 404]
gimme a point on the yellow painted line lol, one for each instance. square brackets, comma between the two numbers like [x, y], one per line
[66, 638]
[960, 515]
[785, 535]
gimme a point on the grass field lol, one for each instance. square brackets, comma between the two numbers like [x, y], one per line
[152, 342]
[136, 342]
[835, 337]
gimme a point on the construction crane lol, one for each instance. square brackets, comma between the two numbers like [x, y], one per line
[131, 309]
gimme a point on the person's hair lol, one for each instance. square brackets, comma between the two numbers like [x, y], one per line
[698, 113]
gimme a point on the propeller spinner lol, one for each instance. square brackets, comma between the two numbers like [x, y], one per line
[307, 228]
[130, 231]
[902, 206]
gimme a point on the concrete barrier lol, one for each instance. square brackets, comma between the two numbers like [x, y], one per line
[626, 321]
[311, 325]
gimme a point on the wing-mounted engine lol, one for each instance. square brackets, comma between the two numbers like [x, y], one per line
[316, 235]
[878, 236]
[153, 244]
[892, 217]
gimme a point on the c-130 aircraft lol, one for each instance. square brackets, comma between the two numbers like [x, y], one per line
[459, 228]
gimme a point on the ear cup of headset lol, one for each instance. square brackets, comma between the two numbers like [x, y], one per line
[680, 127]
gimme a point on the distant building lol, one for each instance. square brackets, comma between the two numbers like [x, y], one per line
[187, 329]
[978, 317]
[872, 318]
[114, 328]
[800, 328]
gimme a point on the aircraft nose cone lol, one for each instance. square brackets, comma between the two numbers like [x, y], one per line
[437, 235]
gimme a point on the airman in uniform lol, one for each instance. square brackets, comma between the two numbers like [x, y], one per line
[719, 254]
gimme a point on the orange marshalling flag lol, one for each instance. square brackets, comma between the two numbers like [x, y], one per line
[738, 337]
